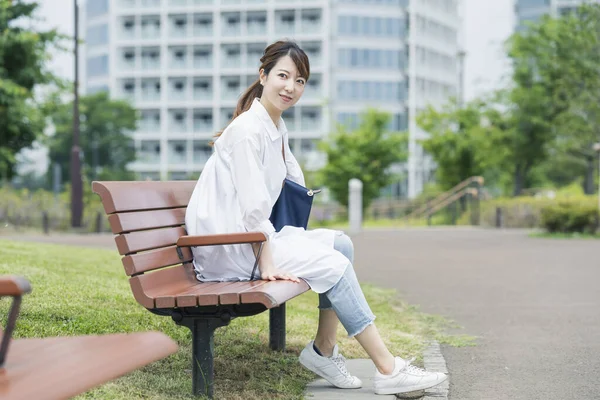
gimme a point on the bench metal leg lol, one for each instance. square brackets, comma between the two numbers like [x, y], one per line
[203, 344]
[277, 328]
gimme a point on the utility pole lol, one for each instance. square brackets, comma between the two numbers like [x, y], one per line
[597, 149]
[76, 184]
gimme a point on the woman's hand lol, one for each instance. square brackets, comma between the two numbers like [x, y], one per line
[273, 274]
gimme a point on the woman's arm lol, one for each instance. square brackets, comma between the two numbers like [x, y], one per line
[267, 268]
[255, 202]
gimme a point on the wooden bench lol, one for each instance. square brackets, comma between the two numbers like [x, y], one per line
[62, 367]
[148, 219]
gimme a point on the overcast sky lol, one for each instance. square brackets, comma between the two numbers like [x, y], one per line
[488, 23]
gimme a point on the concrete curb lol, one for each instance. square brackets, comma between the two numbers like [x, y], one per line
[434, 361]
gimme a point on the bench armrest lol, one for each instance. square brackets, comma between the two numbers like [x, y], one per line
[221, 239]
[16, 287]
[228, 238]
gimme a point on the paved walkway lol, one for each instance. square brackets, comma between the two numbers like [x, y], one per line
[533, 303]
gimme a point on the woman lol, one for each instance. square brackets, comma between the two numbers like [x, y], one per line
[236, 192]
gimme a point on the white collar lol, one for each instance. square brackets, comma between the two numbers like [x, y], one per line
[261, 112]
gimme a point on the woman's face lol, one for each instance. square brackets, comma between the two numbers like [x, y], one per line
[283, 87]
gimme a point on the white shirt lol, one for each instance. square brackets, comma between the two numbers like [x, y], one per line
[236, 191]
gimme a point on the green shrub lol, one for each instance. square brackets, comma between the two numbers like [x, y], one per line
[570, 217]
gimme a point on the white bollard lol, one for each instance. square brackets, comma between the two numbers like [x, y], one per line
[355, 205]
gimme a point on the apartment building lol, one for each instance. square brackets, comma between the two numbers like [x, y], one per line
[184, 63]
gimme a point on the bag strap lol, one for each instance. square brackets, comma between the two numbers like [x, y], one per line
[283, 147]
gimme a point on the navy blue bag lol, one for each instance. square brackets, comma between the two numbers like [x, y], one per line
[293, 206]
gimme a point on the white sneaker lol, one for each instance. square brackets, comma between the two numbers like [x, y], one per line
[406, 379]
[332, 369]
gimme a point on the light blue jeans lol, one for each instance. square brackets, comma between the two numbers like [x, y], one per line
[346, 297]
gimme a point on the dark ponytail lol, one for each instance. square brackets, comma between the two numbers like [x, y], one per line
[271, 55]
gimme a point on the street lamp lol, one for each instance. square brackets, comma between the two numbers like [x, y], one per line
[76, 184]
[597, 149]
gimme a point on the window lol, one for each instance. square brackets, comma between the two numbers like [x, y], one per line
[97, 66]
[96, 8]
[97, 35]
[96, 89]
[532, 3]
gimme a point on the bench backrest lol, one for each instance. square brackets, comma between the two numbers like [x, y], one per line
[148, 218]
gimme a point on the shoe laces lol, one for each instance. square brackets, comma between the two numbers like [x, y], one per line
[411, 369]
[340, 362]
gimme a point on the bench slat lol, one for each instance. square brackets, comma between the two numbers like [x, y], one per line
[206, 294]
[62, 367]
[141, 220]
[143, 195]
[233, 296]
[178, 286]
[150, 285]
[199, 293]
[272, 294]
[147, 240]
[155, 259]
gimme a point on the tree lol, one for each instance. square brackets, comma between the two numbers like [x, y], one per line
[558, 73]
[366, 154]
[106, 144]
[23, 56]
[462, 141]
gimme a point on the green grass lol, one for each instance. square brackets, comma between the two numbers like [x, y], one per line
[574, 235]
[80, 291]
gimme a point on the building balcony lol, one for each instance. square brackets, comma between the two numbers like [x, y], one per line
[232, 30]
[203, 30]
[150, 32]
[150, 3]
[148, 158]
[231, 61]
[230, 94]
[147, 96]
[200, 158]
[174, 157]
[178, 127]
[127, 34]
[285, 28]
[309, 27]
[126, 64]
[256, 28]
[201, 126]
[203, 62]
[202, 152]
[177, 95]
[178, 64]
[149, 126]
[202, 95]
[150, 64]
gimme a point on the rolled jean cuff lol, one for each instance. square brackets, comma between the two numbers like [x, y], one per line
[324, 303]
[362, 327]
